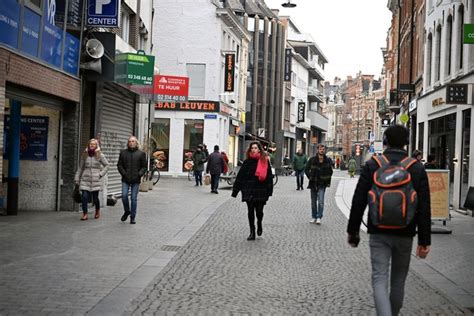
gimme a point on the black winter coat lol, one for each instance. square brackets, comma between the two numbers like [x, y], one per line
[132, 165]
[319, 174]
[215, 164]
[252, 189]
[422, 219]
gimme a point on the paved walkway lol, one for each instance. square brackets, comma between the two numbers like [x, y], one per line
[188, 254]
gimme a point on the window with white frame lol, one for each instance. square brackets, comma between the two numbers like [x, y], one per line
[460, 27]
[429, 57]
[125, 25]
[438, 53]
[449, 40]
[197, 80]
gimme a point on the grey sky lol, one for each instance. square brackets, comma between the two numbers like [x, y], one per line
[349, 32]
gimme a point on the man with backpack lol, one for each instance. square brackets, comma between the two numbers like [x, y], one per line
[396, 189]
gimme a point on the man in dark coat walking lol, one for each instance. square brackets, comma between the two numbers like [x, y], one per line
[390, 249]
[132, 165]
[215, 166]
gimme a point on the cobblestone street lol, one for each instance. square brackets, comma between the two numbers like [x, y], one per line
[188, 255]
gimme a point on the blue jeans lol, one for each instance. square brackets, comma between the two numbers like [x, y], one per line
[85, 200]
[317, 202]
[198, 177]
[385, 251]
[299, 178]
[126, 206]
[215, 182]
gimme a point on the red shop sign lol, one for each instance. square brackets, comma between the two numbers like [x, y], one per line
[170, 88]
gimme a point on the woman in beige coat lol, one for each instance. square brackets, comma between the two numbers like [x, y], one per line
[92, 169]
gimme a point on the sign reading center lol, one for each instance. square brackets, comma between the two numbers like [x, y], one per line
[103, 13]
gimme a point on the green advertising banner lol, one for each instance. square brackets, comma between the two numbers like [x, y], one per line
[134, 69]
[468, 33]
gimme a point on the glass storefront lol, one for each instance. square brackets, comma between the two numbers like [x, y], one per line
[160, 142]
[466, 133]
[193, 136]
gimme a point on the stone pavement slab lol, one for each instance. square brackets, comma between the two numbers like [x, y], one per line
[295, 268]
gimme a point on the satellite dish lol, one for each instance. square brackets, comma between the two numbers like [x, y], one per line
[288, 4]
[94, 48]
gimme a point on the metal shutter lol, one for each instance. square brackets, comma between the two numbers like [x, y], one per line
[117, 115]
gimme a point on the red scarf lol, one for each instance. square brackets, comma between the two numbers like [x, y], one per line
[261, 172]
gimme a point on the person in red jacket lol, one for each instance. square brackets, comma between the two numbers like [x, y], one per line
[226, 161]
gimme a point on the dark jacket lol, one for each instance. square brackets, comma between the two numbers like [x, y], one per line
[422, 219]
[199, 158]
[215, 164]
[252, 189]
[299, 162]
[319, 174]
[132, 165]
[429, 165]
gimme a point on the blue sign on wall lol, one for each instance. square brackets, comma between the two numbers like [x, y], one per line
[52, 36]
[9, 22]
[31, 28]
[71, 54]
[33, 137]
[103, 13]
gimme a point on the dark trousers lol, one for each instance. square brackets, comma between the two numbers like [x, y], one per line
[215, 182]
[86, 197]
[198, 177]
[299, 178]
[255, 208]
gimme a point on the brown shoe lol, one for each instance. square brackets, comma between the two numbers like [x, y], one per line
[97, 213]
[84, 217]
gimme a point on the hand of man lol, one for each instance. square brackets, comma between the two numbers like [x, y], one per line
[422, 251]
[353, 240]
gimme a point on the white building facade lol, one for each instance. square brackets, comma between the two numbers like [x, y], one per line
[445, 126]
[184, 49]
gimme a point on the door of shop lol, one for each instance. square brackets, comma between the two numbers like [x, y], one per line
[466, 144]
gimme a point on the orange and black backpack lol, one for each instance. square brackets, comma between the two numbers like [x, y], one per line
[392, 198]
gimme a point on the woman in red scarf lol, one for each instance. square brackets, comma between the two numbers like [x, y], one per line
[255, 180]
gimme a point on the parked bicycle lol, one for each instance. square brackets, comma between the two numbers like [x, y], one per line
[154, 173]
[287, 170]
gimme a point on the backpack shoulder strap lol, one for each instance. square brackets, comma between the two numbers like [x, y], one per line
[407, 162]
[381, 160]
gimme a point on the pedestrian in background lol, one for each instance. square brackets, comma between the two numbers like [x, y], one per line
[226, 161]
[390, 249]
[255, 181]
[199, 158]
[215, 166]
[351, 167]
[418, 155]
[132, 165]
[92, 169]
[431, 164]
[299, 164]
[319, 172]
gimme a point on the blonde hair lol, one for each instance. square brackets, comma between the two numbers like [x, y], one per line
[97, 149]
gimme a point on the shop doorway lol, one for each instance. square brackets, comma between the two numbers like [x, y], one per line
[466, 134]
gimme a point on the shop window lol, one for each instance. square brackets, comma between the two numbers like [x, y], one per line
[193, 136]
[449, 33]
[197, 80]
[421, 132]
[125, 25]
[160, 142]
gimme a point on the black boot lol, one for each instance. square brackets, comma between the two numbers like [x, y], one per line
[259, 228]
[252, 233]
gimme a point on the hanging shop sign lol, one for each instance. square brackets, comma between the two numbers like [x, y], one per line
[192, 106]
[468, 33]
[229, 72]
[456, 94]
[33, 137]
[406, 88]
[134, 68]
[301, 112]
[103, 13]
[288, 64]
[171, 88]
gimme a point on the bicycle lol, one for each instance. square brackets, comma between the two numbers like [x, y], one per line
[154, 174]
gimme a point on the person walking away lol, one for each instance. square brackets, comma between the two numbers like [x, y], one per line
[319, 172]
[255, 181]
[299, 164]
[431, 164]
[92, 169]
[418, 155]
[351, 167]
[199, 158]
[132, 165]
[215, 166]
[391, 235]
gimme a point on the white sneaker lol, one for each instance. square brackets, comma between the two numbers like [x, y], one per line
[313, 221]
[318, 221]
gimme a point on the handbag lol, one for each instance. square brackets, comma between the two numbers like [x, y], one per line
[207, 179]
[76, 194]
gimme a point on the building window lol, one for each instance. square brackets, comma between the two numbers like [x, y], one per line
[449, 33]
[429, 55]
[160, 142]
[438, 53]
[125, 26]
[461, 35]
[193, 136]
[197, 80]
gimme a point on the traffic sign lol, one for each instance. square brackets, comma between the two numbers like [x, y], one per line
[103, 13]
